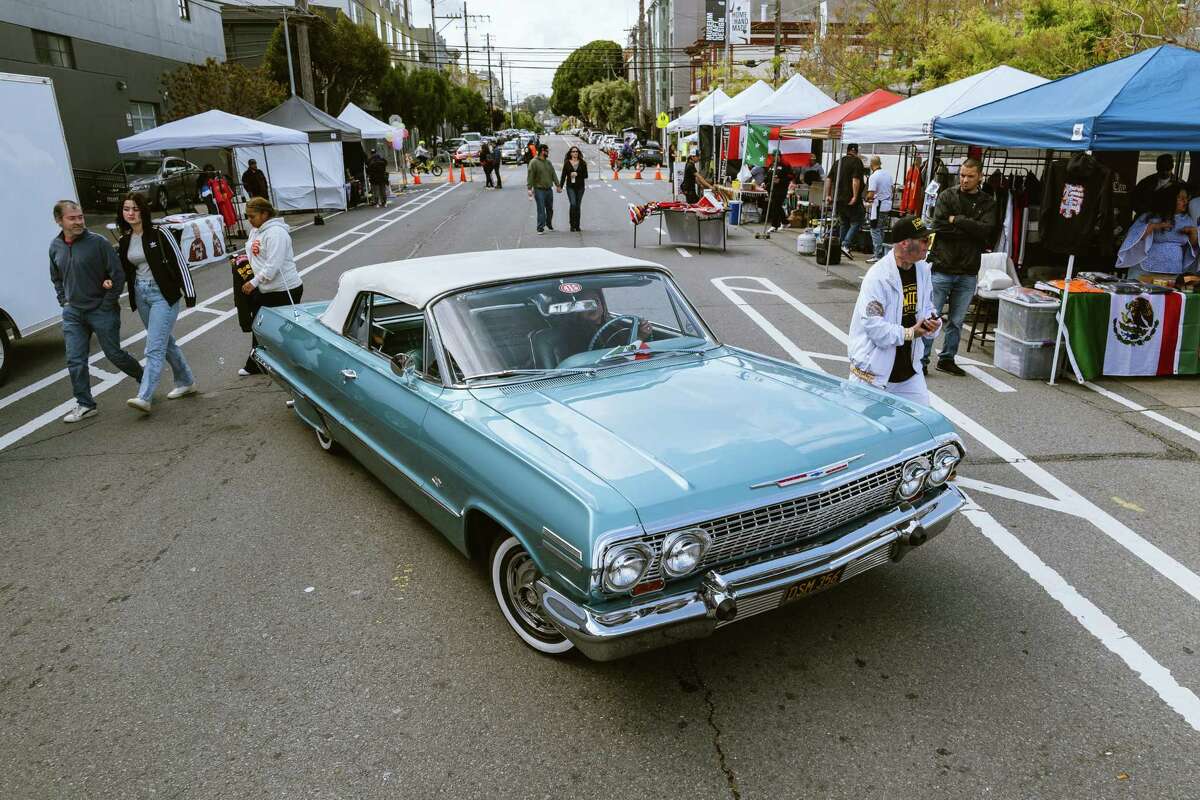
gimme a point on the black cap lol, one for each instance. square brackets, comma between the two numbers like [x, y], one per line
[910, 228]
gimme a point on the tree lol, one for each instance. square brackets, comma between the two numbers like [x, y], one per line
[194, 88]
[600, 60]
[467, 109]
[609, 104]
[536, 103]
[421, 98]
[348, 61]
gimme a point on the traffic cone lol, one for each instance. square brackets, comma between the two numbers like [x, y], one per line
[462, 173]
[450, 174]
[637, 175]
[658, 173]
[416, 178]
[615, 175]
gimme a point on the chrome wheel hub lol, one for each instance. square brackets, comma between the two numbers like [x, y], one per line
[520, 577]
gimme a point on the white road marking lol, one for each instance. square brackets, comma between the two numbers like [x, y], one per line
[1110, 526]
[58, 411]
[985, 379]
[1029, 499]
[100, 374]
[683, 252]
[1141, 409]
[321, 250]
[1181, 700]
[207, 310]
[623, 197]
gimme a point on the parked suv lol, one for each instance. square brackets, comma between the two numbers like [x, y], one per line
[164, 181]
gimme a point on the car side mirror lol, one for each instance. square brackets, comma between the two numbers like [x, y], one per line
[402, 365]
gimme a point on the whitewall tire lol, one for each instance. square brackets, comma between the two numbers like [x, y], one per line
[513, 573]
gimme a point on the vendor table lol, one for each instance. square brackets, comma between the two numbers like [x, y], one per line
[201, 237]
[681, 230]
[1090, 317]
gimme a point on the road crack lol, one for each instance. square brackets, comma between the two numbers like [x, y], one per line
[722, 761]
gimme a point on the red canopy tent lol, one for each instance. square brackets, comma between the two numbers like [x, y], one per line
[828, 124]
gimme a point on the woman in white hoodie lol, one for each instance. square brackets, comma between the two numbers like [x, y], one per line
[269, 248]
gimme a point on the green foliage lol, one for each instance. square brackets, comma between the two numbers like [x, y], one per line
[348, 61]
[467, 110]
[421, 98]
[525, 121]
[600, 60]
[536, 103]
[195, 88]
[610, 105]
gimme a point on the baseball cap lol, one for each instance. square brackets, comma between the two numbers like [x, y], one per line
[910, 228]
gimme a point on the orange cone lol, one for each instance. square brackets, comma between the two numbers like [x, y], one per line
[637, 175]
[416, 178]
[658, 173]
[615, 175]
[450, 174]
[462, 173]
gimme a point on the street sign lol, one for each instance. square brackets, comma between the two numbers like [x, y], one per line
[663, 120]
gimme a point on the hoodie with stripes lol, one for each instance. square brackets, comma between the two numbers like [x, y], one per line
[167, 264]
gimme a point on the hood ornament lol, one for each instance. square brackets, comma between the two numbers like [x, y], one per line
[812, 474]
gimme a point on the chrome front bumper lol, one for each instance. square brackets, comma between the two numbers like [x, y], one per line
[725, 597]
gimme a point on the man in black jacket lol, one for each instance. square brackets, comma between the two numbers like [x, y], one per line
[377, 174]
[254, 182]
[965, 225]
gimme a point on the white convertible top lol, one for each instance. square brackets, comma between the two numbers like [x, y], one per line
[419, 280]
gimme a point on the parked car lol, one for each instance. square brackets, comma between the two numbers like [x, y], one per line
[468, 152]
[165, 181]
[650, 154]
[510, 152]
[565, 416]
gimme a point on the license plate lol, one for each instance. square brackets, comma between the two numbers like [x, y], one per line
[810, 586]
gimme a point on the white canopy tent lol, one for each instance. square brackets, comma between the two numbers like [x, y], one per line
[734, 112]
[911, 120]
[688, 121]
[210, 129]
[796, 99]
[369, 126]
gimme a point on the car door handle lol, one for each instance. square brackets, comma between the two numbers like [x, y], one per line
[349, 374]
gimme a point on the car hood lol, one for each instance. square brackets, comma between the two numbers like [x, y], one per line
[690, 440]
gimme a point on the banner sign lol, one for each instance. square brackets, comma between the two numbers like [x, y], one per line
[739, 21]
[714, 20]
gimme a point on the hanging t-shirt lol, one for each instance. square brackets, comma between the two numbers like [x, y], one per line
[902, 368]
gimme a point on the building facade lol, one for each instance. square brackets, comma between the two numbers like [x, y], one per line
[107, 59]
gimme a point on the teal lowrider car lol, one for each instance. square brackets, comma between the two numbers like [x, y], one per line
[565, 416]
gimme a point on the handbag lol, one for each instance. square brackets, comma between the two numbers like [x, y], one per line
[247, 305]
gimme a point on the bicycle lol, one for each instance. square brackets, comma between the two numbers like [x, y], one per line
[428, 166]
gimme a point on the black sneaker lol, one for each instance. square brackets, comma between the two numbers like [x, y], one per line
[948, 365]
[549, 226]
[846, 252]
[924, 369]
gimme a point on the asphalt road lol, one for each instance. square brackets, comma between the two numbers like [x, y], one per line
[203, 604]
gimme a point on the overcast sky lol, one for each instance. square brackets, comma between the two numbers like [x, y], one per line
[554, 24]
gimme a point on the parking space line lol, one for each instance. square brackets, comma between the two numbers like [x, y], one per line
[1181, 700]
[1141, 409]
[55, 413]
[987, 380]
[1007, 492]
[102, 375]
[1153, 556]
[683, 252]
[207, 310]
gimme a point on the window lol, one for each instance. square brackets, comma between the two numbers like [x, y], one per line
[53, 50]
[185, 10]
[142, 116]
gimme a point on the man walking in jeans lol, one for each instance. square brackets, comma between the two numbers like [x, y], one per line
[849, 179]
[965, 225]
[88, 279]
[542, 183]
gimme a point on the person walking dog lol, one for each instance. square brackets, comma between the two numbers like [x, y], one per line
[88, 280]
[276, 281]
[891, 315]
[159, 286]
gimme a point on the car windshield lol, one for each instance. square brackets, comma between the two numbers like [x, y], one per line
[572, 322]
[138, 166]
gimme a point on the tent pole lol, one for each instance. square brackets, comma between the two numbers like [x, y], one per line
[317, 218]
[929, 165]
[1061, 333]
[837, 182]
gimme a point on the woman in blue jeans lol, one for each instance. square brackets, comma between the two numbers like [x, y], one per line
[574, 180]
[159, 285]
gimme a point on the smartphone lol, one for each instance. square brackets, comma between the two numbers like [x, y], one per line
[934, 315]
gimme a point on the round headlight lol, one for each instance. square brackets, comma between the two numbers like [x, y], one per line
[625, 566]
[683, 551]
[944, 462]
[912, 478]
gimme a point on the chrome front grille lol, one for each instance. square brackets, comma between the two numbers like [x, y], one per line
[739, 537]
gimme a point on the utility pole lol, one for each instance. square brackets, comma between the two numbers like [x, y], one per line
[466, 20]
[637, 69]
[437, 64]
[640, 60]
[489, 62]
[302, 52]
[287, 45]
[653, 69]
[778, 40]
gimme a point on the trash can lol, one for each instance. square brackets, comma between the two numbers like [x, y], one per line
[735, 212]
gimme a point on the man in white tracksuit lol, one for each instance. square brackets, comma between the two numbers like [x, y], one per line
[894, 309]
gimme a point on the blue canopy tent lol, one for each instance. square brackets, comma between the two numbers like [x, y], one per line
[1135, 103]
[1140, 102]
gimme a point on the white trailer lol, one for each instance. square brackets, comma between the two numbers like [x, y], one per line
[36, 170]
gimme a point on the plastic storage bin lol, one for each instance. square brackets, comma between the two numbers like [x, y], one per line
[1029, 360]
[1027, 315]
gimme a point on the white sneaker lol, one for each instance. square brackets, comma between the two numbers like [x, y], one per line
[872, 260]
[181, 391]
[243, 372]
[138, 403]
[77, 413]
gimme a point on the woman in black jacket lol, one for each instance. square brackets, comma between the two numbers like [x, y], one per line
[159, 285]
[574, 180]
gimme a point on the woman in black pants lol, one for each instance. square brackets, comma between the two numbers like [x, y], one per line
[276, 281]
[574, 180]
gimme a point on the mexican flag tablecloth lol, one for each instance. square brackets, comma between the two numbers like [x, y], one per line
[1135, 334]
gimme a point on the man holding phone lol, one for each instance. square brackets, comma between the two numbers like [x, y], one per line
[894, 309]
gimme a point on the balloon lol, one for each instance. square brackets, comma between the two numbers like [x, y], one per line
[389, 135]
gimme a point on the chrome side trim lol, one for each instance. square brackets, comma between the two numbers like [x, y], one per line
[812, 474]
[566, 548]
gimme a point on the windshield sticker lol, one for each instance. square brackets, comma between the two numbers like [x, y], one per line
[570, 288]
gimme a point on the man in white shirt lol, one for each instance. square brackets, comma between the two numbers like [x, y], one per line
[879, 202]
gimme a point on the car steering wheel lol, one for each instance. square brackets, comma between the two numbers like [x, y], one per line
[634, 323]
